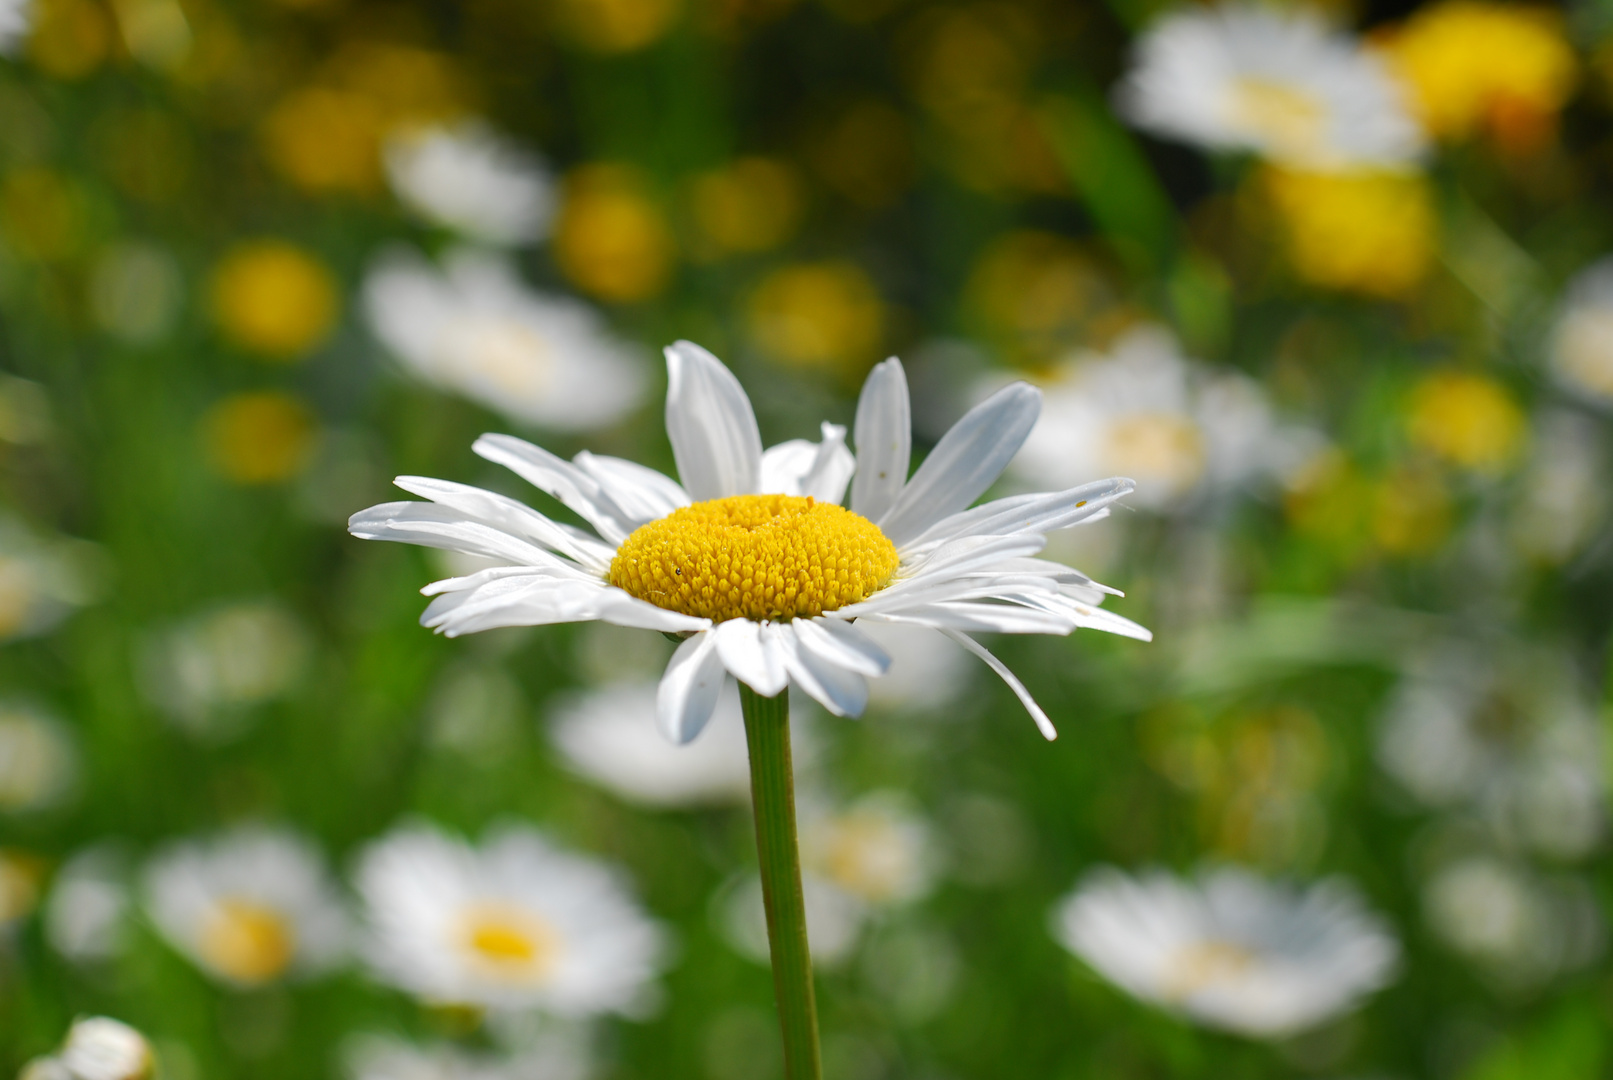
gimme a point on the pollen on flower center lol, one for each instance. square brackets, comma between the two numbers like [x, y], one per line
[510, 940]
[755, 557]
[1200, 964]
[247, 941]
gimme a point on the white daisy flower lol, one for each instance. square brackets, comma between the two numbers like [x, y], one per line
[475, 329]
[387, 1057]
[249, 906]
[1182, 430]
[42, 579]
[856, 861]
[469, 178]
[517, 923]
[1231, 950]
[38, 765]
[1582, 341]
[1278, 81]
[1562, 494]
[87, 911]
[209, 670]
[608, 736]
[16, 21]
[100, 1048]
[736, 558]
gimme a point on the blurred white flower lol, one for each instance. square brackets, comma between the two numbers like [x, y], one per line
[16, 20]
[42, 579]
[875, 854]
[38, 765]
[517, 923]
[1230, 950]
[248, 906]
[136, 291]
[1506, 731]
[470, 179]
[1177, 427]
[387, 1057]
[100, 1048]
[87, 910]
[609, 736]
[1518, 927]
[1582, 340]
[1278, 81]
[474, 328]
[1562, 493]
[206, 671]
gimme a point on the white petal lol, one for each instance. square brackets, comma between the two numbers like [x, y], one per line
[842, 692]
[844, 644]
[1024, 695]
[784, 465]
[1043, 512]
[802, 467]
[511, 516]
[977, 618]
[643, 493]
[751, 656]
[560, 478]
[715, 440]
[430, 525]
[884, 437]
[966, 462]
[689, 689]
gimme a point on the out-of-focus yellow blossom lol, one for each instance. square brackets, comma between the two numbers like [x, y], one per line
[1040, 291]
[1330, 500]
[752, 204]
[818, 315]
[1367, 232]
[325, 140]
[262, 437]
[1467, 419]
[44, 214]
[274, 298]
[155, 32]
[1411, 512]
[20, 874]
[327, 136]
[616, 26]
[1472, 66]
[70, 38]
[864, 152]
[611, 239]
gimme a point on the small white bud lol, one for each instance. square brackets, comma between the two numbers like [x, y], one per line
[99, 1048]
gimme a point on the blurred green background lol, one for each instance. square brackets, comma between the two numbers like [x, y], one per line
[191, 192]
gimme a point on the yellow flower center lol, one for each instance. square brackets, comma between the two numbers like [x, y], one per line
[755, 557]
[511, 942]
[1163, 447]
[247, 942]
[1287, 116]
[1203, 964]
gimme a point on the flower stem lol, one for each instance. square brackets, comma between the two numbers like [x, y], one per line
[772, 784]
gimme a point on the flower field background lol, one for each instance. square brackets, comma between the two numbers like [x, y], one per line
[1331, 285]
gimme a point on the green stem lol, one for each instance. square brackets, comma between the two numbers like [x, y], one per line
[772, 785]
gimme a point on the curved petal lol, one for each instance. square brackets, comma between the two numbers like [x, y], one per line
[1042, 722]
[842, 643]
[966, 462]
[751, 655]
[841, 691]
[563, 480]
[689, 689]
[709, 420]
[643, 493]
[431, 525]
[512, 517]
[883, 433]
[802, 467]
[1043, 512]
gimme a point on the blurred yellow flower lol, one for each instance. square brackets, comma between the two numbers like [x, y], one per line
[752, 204]
[20, 874]
[70, 38]
[1467, 419]
[616, 26]
[259, 438]
[325, 140]
[327, 136]
[1411, 512]
[1039, 291]
[1504, 69]
[1330, 500]
[1368, 232]
[43, 214]
[611, 240]
[155, 32]
[274, 298]
[818, 315]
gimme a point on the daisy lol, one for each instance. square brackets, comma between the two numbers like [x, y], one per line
[42, 579]
[1582, 342]
[751, 559]
[207, 671]
[38, 765]
[516, 923]
[249, 906]
[470, 179]
[475, 329]
[1181, 429]
[87, 911]
[97, 1048]
[16, 20]
[1230, 951]
[1279, 82]
[387, 1057]
[608, 736]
